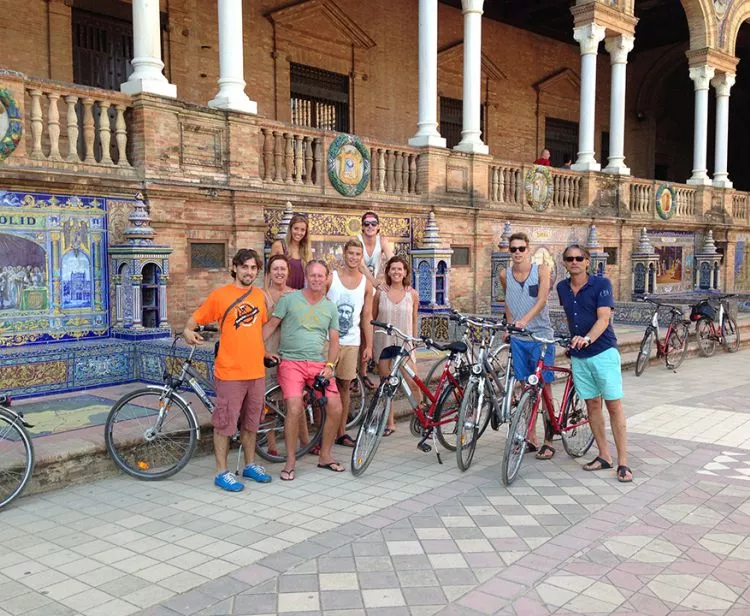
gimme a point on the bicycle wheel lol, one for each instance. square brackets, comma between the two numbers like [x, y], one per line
[706, 340]
[446, 410]
[16, 457]
[470, 418]
[433, 375]
[644, 353]
[371, 430]
[357, 399]
[515, 444]
[270, 443]
[499, 359]
[730, 334]
[576, 433]
[140, 444]
[677, 345]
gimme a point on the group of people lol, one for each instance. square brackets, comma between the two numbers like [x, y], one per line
[316, 320]
[545, 161]
[14, 279]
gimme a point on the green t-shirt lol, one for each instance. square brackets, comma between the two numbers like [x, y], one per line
[304, 326]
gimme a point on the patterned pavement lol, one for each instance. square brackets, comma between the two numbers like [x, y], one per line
[414, 538]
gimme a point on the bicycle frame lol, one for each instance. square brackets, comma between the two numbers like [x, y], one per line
[555, 421]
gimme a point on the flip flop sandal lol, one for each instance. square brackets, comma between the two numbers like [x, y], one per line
[330, 466]
[541, 453]
[346, 441]
[388, 431]
[530, 448]
[622, 474]
[290, 475]
[603, 465]
[315, 451]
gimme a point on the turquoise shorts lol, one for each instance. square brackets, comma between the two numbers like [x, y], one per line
[600, 375]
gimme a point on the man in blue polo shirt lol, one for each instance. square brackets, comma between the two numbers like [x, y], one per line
[588, 304]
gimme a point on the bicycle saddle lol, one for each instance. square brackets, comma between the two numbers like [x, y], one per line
[457, 346]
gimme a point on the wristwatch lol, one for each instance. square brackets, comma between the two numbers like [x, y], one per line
[587, 339]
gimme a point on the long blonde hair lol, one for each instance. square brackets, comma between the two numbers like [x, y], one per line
[304, 246]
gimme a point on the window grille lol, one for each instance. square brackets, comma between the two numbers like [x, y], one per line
[319, 99]
[561, 139]
[452, 120]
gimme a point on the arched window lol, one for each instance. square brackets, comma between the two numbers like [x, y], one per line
[440, 283]
[150, 295]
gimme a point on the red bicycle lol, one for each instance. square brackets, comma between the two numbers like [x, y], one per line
[715, 324]
[434, 420]
[571, 422]
[675, 345]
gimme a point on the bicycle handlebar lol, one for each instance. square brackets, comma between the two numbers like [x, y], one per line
[206, 328]
[392, 329]
[563, 341]
[672, 307]
[484, 322]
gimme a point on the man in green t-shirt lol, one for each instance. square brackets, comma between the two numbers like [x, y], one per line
[307, 320]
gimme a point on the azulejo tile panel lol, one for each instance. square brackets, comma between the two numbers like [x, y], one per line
[41, 373]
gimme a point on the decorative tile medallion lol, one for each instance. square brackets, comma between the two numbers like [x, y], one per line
[348, 165]
[665, 201]
[538, 187]
[11, 124]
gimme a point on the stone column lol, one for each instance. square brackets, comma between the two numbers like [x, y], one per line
[588, 37]
[163, 301]
[471, 135]
[427, 132]
[231, 93]
[147, 64]
[135, 282]
[618, 47]
[701, 76]
[723, 84]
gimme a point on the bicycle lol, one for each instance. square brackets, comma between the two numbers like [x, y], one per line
[572, 422]
[16, 452]
[436, 421]
[675, 345]
[152, 432]
[726, 333]
[483, 397]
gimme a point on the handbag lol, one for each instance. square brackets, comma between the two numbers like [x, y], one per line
[226, 314]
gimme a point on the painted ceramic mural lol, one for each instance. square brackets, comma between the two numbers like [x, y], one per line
[53, 270]
[676, 250]
[742, 263]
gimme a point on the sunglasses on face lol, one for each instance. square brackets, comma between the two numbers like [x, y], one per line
[579, 258]
[517, 248]
[370, 223]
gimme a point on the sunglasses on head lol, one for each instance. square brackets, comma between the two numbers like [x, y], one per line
[579, 258]
[370, 223]
[517, 249]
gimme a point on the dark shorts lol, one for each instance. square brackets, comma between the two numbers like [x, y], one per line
[238, 401]
[525, 355]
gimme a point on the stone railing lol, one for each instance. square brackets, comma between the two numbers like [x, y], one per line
[294, 156]
[74, 124]
[506, 185]
[642, 201]
[740, 206]
[641, 198]
[684, 201]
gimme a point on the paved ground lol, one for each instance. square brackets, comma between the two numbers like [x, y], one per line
[415, 538]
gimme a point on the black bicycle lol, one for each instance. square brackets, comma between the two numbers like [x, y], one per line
[152, 432]
[16, 452]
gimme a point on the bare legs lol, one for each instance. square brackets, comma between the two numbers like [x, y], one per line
[619, 428]
[294, 410]
[345, 394]
[221, 449]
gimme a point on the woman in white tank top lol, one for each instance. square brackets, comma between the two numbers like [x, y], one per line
[398, 306]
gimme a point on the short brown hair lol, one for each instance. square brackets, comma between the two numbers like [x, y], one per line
[405, 263]
[275, 258]
[519, 236]
[243, 255]
[371, 214]
[353, 243]
[584, 250]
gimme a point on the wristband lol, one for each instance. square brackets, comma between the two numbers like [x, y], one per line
[330, 365]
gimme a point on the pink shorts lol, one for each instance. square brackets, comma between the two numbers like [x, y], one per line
[294, 375]
[238, 401]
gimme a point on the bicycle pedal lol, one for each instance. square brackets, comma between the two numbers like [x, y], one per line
[424, 447]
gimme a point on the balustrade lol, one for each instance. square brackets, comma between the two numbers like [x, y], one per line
[95, 125]
[684, 201]
[566, 189]
[506, 183]
[740, 206]
[641, 198]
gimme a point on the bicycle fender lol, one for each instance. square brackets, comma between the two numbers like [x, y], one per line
[182, 400]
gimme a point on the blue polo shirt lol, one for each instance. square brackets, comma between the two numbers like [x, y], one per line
[581, 312]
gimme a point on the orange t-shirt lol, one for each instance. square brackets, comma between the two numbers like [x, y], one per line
[241, 350]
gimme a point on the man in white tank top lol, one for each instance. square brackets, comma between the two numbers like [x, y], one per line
[377, 249]
[352, 293]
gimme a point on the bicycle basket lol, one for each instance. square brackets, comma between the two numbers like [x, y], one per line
[702, 309]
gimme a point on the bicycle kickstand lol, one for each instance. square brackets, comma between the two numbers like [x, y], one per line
[437, 448]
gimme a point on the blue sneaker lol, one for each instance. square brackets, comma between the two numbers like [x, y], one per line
[256, 472]
[226, 481]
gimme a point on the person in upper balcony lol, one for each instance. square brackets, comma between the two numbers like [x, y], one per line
[543, 158]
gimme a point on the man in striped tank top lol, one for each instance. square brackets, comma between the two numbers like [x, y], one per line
[527, 286]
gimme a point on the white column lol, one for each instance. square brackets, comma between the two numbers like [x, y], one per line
[471, 135]
[147, 73]
[427, 132]
[231, 61]
[618, 47]
[701, 76]
[588, 37]
[723, 84]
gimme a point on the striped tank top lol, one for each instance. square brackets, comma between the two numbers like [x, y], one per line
[521, 297]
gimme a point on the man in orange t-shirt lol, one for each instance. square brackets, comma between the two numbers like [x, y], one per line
[239, 373]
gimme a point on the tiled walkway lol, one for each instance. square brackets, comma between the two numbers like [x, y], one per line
[414, 538]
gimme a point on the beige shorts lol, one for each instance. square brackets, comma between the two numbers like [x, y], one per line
[346, 365]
